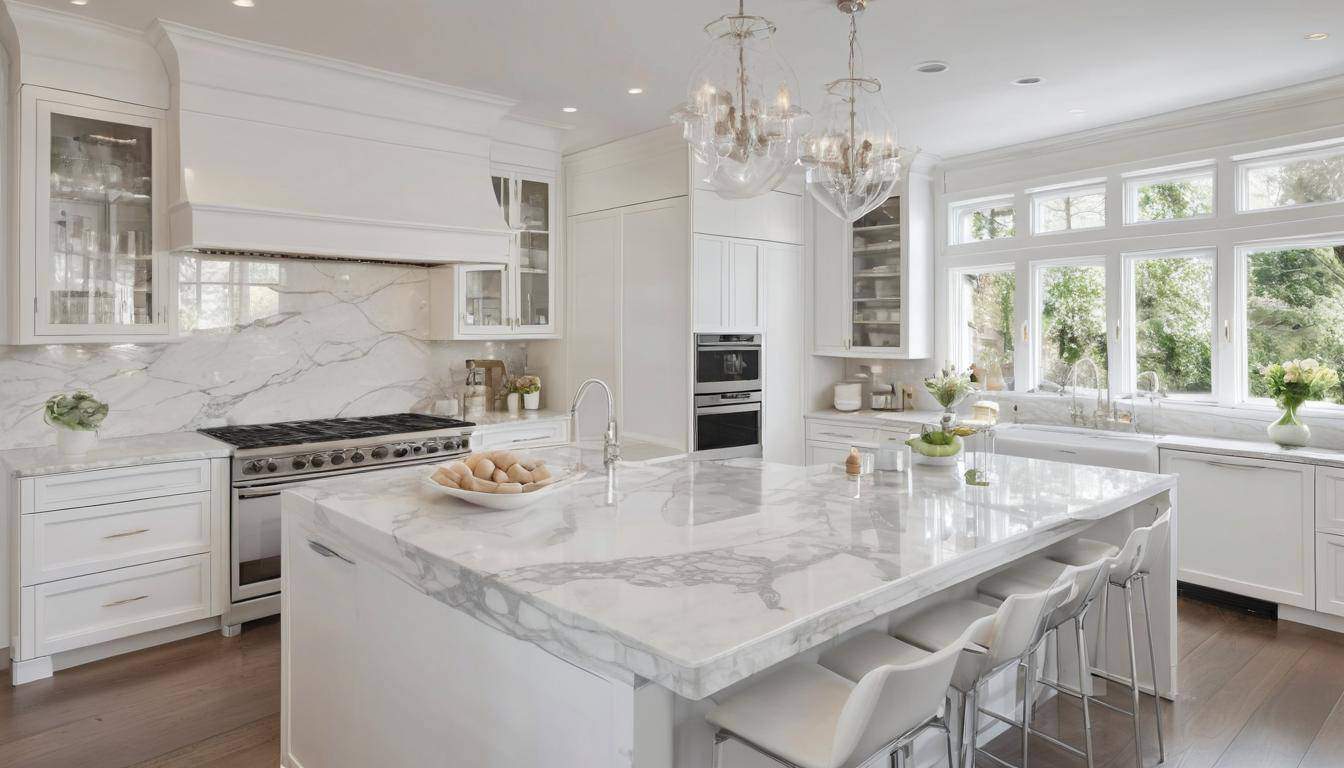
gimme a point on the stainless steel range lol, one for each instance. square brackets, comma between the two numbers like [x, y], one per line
[268, 458]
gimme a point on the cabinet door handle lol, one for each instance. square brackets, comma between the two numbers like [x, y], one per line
[124, 601]
[124, 534]
[1229, 465]
[325, 551]
[836, 434]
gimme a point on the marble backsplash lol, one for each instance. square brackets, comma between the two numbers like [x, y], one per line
[261, 341]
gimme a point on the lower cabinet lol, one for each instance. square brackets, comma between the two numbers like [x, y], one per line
[822, 453]
[1246, 526]
[1330, 573]
[522, 434]
[828, 442]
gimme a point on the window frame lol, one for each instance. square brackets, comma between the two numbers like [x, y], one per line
[956, 305]
[1076, 188]
[1131, 183]
[1035, 323]
[956, 210]
[1128, 335]
[1245, 163]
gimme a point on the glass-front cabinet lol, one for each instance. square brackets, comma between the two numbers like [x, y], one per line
[91, 264]
[872, 279]
[483, 299]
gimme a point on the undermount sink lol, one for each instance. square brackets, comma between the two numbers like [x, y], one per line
[1102, 448]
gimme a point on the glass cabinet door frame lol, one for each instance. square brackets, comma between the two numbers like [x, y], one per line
[516, 175]
[37, 105]
[852, 305]
[462, 302]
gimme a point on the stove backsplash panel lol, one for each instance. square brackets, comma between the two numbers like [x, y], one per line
[264, 340]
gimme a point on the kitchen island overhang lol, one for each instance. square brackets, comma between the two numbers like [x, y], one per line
[698, 575]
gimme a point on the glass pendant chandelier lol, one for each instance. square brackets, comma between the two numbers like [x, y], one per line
[741, 116]
[852, 159]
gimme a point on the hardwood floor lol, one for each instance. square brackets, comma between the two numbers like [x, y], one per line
[1255, 693]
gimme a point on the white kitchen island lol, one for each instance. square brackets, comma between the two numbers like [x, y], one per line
[593, 628]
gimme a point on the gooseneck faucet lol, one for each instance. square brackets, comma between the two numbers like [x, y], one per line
[1076, 413]
[611, 442]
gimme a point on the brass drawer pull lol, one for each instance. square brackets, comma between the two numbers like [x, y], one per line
[124, 534]
[115, 603]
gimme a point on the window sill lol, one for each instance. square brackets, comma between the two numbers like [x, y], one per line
[1324, 413]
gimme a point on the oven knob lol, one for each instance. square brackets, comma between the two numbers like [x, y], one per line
[318, 460]
[299, 462]
[417, 448]
[431, 446]
[357, 456]
[337, 458]
[400, 451]
[379, 453]
[458, 443]
[271, 466]
[251, 467]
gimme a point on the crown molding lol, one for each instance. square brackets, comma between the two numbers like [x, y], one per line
[20, 9]
[1301, 94]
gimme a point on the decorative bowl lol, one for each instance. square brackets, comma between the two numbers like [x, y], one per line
[505, 501]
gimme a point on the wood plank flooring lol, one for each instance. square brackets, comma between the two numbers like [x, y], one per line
[1254, 693]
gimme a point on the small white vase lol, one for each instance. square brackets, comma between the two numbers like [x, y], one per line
[75, 442]
[1289, 430]
[512, 400]
[531, 400]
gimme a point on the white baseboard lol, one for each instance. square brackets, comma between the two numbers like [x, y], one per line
[74, 658]
[1326, 621]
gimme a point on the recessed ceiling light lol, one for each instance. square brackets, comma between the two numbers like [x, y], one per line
[1029, 81]
[244, 3]
[569, 109]
[79, 2]
[1077, 111]
[931, 67]
[1316, 36]
[635, 91]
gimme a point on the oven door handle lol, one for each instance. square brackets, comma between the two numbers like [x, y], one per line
[711, 410]
[729, 348]
[245, 496]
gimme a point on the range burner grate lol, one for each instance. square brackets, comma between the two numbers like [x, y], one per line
[285, 433]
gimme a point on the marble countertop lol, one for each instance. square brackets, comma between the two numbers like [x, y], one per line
[115, 452]
[868, 417]
[499, 418]
[697, 574]
[1252, 449]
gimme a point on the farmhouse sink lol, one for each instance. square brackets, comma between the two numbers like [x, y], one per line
[1122, 450]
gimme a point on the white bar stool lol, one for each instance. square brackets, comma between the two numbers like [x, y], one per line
[1037, 574]
[1017, 631]
[1124, 575]
[806, 716]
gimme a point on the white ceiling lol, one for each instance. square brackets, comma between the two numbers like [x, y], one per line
[1116, 60]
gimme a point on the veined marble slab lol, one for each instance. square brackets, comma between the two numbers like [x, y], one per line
[504, 418]
[116, 452]
[697, 574]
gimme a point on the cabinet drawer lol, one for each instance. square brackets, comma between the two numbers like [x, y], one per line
[85, 610]
[105, 486]
[74, 542]
[1330, 500]
[840, 433]
[1330, 573]
[529, 435]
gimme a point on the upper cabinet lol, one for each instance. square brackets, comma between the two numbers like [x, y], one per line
[872, 279]
[514, 299]
[91, 262]
[728, 282]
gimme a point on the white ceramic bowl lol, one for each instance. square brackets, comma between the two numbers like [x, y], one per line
[502, 501]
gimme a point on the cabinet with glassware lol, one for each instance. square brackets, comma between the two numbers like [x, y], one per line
[514, 299]
[88, 263]
[873, 278]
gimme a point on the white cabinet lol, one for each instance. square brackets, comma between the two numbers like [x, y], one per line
[91, 258]
[524, 433]
[782, 354]
[1247, 526]
[873, 279]
[514, 299]
[728, 284]
[774, 216]
[1330, 573]
[1330, 500]
[821, 453]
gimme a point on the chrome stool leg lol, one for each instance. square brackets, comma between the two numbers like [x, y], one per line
[1133, 673]
[1084, 683]
[1152, 657]
[1029, 675]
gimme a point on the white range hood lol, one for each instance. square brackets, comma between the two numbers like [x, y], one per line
[284, 153]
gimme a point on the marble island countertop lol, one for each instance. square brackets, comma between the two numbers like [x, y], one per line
[697, 574]
[114, 452]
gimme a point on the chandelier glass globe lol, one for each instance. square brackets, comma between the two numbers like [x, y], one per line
[741, 117]
[851, 157]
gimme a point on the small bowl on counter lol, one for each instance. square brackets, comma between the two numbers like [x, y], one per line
[499, 480]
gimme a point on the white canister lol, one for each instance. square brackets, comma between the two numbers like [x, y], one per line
[848, 396]
[515, 402]
[75, 442]
[532, 400]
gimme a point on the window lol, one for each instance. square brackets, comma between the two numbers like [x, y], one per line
[1169, 196]
[1294, 307]
[985, 219]
[1169, 314]
[1064, 210]
[1284, 179]
[223, 293]
[1070, 322]
[982, 324]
